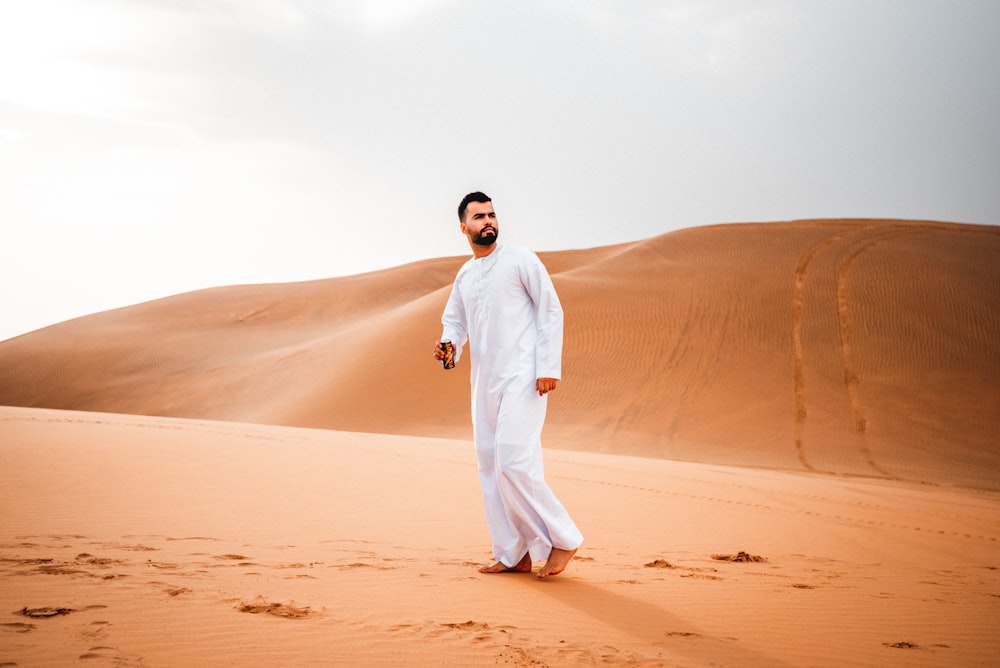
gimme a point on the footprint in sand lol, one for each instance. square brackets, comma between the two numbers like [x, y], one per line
[96, 630]
[684, 634]
[476, 631]
[115, 656]
[285, 610]
[45, 613]
[739, 557]
[163, 566]
[18, 627]
[359, 564]
[481, 631]
[467, 626]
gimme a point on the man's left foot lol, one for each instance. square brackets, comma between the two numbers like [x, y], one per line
[558, 560]
[523, 566]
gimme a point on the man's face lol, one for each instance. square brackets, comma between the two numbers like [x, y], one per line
[480, 223]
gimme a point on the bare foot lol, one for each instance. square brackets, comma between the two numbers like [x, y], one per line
[523, 566]
[558, 560]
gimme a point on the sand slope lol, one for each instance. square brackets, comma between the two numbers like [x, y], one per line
[863, 347]
[134, 541]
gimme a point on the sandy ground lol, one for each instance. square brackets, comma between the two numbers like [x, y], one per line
[280, 475]
[166, 542]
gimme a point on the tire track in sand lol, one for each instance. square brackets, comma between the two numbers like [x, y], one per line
[851, 377]
[847, 245]
[798, 305]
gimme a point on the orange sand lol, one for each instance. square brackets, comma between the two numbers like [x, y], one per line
[823, 394]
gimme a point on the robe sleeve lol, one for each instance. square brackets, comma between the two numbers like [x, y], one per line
[548, 318]
[455, 328]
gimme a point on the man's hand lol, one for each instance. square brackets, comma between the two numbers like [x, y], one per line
[438, 351]
[546, 385]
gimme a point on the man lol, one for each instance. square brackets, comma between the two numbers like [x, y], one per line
[503, 303]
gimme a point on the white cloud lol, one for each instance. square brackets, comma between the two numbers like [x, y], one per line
[41, 45]
[10, 135]
[377, 15]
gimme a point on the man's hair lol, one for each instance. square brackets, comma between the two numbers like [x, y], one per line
[471, 197]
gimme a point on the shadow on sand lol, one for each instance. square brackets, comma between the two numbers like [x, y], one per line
[652, 624]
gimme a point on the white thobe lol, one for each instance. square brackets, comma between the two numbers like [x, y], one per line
[506, 307]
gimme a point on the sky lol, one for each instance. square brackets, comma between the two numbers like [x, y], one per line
[154, 147]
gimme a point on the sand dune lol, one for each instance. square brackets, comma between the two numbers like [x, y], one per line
[860, 347]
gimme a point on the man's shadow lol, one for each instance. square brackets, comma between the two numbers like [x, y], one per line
[649, 623]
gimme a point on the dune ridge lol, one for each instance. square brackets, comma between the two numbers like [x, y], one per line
[859, 347]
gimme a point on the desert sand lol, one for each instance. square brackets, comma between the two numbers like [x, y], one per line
[780, 441]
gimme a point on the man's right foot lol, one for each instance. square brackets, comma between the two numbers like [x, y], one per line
[558, 559]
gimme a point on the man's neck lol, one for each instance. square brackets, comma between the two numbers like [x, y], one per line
[482, 251]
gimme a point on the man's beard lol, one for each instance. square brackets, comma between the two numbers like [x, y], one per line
[486, 237]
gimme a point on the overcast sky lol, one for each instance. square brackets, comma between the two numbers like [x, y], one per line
[152, 147]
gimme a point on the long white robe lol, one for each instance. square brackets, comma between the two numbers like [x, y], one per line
[506, 307]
